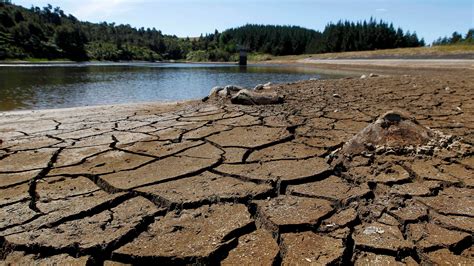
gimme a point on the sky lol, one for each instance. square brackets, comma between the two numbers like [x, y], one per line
[189, 18]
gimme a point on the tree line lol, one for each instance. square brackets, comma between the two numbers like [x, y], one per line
[456, 38]
[49, 33]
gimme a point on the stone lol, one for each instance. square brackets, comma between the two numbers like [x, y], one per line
[381, 237]
[257, 247]
[248, 97]
[215, 90]
[393, 129]
[279, 213]
[308, 248]
[224, 93]
[372, 75]
[168, 238]
[259, 87]
[233, 88]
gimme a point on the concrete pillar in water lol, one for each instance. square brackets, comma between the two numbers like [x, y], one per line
[243, 57]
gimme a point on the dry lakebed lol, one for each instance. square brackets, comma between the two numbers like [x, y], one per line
[372, 171]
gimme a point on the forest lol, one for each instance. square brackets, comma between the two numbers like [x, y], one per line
[49, 33]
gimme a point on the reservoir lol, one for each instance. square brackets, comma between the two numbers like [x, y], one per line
[47, 86]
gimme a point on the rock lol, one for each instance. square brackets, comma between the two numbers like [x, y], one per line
[259, 87]
[335, 95]
[223, 93]
[363, 77]
[233, 88]
[372, 75]
[215, 90]
[248, 97]
[394, 129]
[267, 85]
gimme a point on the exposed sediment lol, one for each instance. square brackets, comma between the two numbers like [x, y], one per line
[318, 179]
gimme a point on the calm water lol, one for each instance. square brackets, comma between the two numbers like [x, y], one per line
[43, 86]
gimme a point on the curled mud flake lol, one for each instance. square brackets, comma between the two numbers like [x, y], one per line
[206, 188]
[367, 258]
[376, 236]
[430, 236]
[279, 213]
[202, 233]
[340, 190]
[112, 225]
[452, 201]
[255, 248]
[446, 257]
[20, 258]
[392, 175]
[189, 163]
[311, 248]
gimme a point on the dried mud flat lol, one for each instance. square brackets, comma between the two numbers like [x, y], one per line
[220, 183]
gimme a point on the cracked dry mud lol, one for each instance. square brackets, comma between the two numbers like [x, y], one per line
[215, 182]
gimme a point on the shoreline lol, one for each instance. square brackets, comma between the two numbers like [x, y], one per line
[351, 68]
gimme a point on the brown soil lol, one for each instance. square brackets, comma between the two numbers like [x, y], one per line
[216, 182]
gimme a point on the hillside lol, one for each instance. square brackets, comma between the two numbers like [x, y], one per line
[49, 33]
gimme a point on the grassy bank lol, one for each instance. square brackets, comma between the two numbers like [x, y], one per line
[445, 51]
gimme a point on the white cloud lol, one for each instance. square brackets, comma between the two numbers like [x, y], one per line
[381, 10]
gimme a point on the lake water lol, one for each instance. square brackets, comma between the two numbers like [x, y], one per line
[45, 86]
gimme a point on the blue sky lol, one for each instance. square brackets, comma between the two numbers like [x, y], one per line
[429, 18]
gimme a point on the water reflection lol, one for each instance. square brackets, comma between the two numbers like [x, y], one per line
[42, 86]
